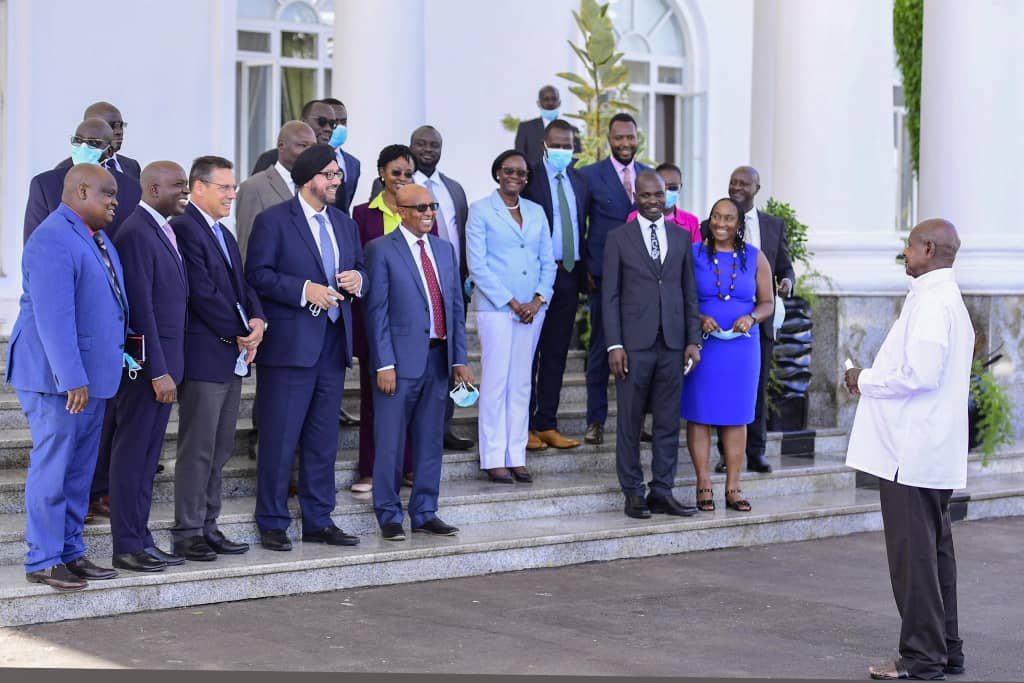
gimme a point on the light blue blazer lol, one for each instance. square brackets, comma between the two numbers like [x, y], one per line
[506, 261]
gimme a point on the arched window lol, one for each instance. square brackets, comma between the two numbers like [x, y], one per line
[654, 40]
[284, 60]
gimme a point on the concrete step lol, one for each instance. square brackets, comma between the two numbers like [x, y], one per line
[480, 548]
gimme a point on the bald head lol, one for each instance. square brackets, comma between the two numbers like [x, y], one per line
[91, 192]
[295, 137]
[95, 128]
[165, 188]
[416, 221]
[743, 186]
[110, 114]
[932, 244]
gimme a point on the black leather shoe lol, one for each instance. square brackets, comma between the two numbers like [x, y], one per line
[138, 562]
[347, 419]
[636, 507]
[392, 531]
[594, 434]
[720, 466]
[85, 569]
[224, 546]
[668, 505]
[758, 464]
[522, 475]
[436, 527]
[954, 669]
[169, 559]
[454, 442]
[159, 469]
[275, 539]
[57, 576]
[194, 548]
[331, 535]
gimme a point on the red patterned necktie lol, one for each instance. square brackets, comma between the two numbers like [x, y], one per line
[434, 290]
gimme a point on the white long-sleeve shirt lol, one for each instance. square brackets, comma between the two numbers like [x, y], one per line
[911, 422]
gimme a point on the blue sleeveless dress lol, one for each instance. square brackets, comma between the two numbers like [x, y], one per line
[722, 389]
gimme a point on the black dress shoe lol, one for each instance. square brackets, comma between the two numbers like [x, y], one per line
[954, 669]
[392, 531]
[347, 419]
[224, 546]
[453, 442]
[57, 576]
[758, 464]
[645, 436]
[594, 434]
[194, 548]
[275, 539]
[436, 527]
[85, 569]
[331, 535]
[169, 559]
[159, 469]
[138, 562]
[522, 475]
[668, 505]
[720, 466]
[636, 507]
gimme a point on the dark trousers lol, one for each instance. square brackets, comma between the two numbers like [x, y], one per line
[552, 349]
[655, 373]
[415, 413]
[134, 454]
[101, 476]
[597, 364]
[299, 404]
[757, 431]
[922, 567]
[367, 419]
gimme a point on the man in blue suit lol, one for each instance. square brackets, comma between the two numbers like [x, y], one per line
[156, 283]
[305, 261]
[225, 319]
[415, 324]
[92, 139]
[66, 354]
[612, 184]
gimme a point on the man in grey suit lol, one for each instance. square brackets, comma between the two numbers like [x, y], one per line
[652, 328]
[272, 185]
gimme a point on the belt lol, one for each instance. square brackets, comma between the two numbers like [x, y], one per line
[434, 342]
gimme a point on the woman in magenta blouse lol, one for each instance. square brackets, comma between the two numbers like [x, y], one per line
[673, 178]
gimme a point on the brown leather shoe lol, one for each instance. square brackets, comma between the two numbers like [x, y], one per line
[552, 437]
[57, 576]
[534, 443]
[595, 433]
[100, 507]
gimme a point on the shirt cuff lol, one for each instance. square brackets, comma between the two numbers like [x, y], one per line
[359, 292]
[613, 347]
[166, 374]
[386, 367]
[791, 286]
[302, 300]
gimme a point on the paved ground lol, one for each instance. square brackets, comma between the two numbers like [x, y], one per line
[815, 609]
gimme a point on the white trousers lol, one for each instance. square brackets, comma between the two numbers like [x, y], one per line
[506, 357]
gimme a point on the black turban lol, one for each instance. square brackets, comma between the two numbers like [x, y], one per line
[313, 160]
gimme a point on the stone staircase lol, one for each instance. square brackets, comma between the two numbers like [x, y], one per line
[571, 514]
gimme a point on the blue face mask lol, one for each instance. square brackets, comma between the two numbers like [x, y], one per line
[726, 335]
[671, 198]
[338, 136]
[559, 158]
[550, 114]
[464, 395]
[84, 154]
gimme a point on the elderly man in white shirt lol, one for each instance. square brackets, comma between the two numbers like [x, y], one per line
[911, 432]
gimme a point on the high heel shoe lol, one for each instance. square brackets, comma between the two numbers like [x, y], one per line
[740, 505]
[500, 475]
[705, 504]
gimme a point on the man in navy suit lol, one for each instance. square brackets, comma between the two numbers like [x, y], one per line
[612, 184]
[157, 286]
[305, 261]
[767, 233]
[415, 324]
[66, 354]
[116, 161]
[225, 327]
[565, 196]
[45, 191]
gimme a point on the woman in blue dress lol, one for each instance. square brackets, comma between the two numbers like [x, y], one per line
[734, 285]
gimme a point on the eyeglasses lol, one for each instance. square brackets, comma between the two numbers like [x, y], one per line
[322, 121]
[221, 186]
[517, 172]
[95, 143]
[118, 125]
[331, 175]
[421, 208]
[395, 173]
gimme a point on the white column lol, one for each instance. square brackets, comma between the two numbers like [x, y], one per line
[832, 149]
[378, 73]
[972, 109]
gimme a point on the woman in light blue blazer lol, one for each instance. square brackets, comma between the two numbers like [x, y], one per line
[508, 248]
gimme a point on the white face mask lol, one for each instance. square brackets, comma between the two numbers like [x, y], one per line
[464, 395]
[726, 335]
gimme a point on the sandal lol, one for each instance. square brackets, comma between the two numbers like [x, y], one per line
[740, 505]
[705, 504]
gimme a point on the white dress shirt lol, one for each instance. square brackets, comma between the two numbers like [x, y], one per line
[911, 422]
[314, 227]
[645, 231]
[286, 176]
[752, 229]
[445, 204]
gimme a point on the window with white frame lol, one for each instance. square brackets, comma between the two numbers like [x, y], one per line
[284, 60]
[652, 37]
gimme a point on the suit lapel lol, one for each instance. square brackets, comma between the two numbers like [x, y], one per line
[162, 238]
[207, 232]
[90, 243]
[612, 180]
[301, 226]
[277, 184]
[505, 216]
[639, 239]
[398, 239]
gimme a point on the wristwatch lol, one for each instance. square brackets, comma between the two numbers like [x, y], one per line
[753, 317]
[541, 297]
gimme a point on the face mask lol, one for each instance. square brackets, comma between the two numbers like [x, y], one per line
[559, 158]
[726, 335]
[132, 365]
[84, 154]
[671, 198]
[780, 313]
[464, 395]
[338, 136]
[550, 114]
[241, 367]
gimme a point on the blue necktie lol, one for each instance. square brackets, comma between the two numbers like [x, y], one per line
[219, 234]
[327, 257]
